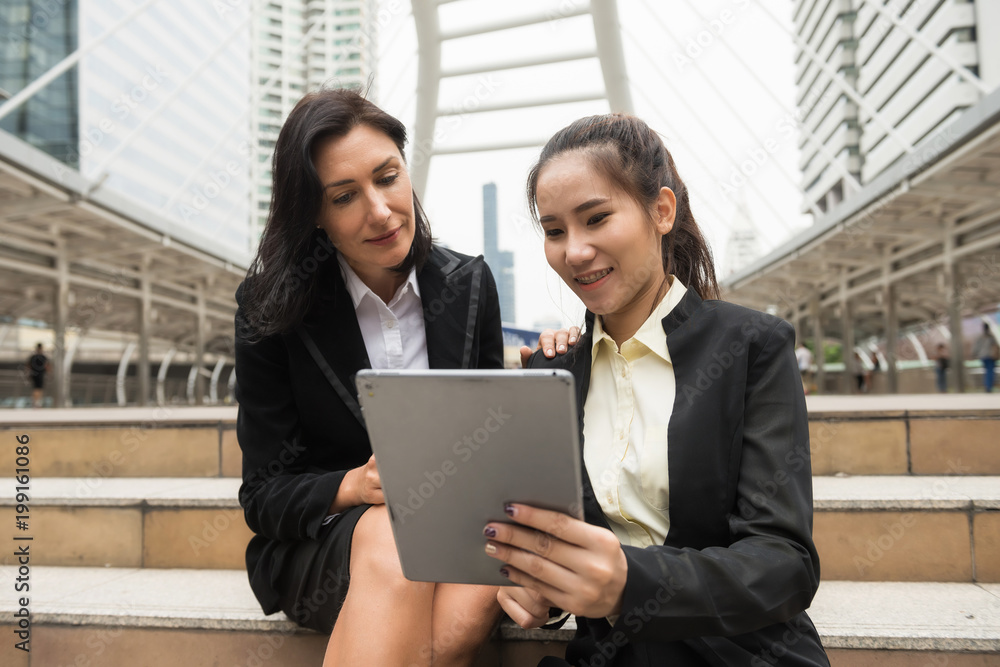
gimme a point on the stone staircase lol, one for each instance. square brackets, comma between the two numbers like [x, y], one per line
[136, 556]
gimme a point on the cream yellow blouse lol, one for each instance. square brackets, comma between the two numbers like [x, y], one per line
[625, 427]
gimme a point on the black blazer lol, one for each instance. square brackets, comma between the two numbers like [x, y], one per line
[300, 425]
[730, 584]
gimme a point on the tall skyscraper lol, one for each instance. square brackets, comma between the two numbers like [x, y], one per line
[301, 46]
[151, 113]
[501, 262]
[50, 120]
[902, 92]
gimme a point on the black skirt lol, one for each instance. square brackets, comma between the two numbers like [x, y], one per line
[315, 575]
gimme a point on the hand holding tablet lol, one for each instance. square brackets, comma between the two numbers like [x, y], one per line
[455, 447]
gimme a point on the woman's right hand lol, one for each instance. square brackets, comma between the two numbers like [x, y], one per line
[360, 486]
[368, 485]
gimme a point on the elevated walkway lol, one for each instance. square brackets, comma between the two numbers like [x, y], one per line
[138, 539]
[84, 259]
[916, 247]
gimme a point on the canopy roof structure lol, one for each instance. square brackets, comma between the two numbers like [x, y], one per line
[918, 243]
[84, 259]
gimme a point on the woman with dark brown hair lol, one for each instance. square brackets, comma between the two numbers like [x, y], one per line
[696, 548]
[347, 277]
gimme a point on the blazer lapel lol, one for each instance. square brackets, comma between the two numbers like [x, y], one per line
[450, 295]
[685, 462]
[580, 367]
[332, 337]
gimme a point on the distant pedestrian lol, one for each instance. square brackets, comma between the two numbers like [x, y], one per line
[986, 350]
[941, 367]
[38, 366]
[858, 369]
[804, 357]
[870, 375]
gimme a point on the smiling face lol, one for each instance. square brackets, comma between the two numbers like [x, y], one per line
[367, 204]
[602, 242]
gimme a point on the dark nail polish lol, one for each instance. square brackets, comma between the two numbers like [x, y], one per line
[509, 509]
[505, 572]
[490, 531]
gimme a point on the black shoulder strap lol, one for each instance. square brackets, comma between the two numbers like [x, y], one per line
[346, 396]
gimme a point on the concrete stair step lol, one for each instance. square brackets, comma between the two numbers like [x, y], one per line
[125, 442]
[886, 528]
[908, 528]
[163, 618]
[951, 434]
[860, 623]
[860, 435]
[158, 522]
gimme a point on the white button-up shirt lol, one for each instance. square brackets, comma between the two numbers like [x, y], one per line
[628, 408]
[394, 333]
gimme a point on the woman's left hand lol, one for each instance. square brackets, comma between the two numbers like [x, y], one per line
[580, 568]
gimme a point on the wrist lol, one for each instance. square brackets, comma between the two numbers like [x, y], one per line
[619, 587]
[347, 493]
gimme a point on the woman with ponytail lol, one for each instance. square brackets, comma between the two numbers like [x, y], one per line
[696, 548]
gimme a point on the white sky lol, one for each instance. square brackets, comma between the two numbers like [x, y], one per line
[678, 63]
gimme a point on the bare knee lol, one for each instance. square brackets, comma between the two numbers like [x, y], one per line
[465, 621]
[373, 550]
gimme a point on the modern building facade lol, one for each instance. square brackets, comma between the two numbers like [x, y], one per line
[179, 104]
[874, 85]
[299, 46]
[148, 110]
[157, 105]
[35, 36]
[501, 262]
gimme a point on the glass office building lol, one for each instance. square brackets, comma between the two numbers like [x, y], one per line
[34, 36]
[157, 108]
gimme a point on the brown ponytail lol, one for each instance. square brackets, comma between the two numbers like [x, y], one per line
[632, 156]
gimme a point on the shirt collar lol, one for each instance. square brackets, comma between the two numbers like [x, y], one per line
[358, 290]
[650, 334]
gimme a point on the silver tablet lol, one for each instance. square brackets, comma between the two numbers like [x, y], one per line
[453, 447]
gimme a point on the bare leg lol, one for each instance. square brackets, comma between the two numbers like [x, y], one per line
[464, 617]
[380, 622]
[389, 620]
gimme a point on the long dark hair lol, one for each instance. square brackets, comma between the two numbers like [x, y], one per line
[283, 278]
[632, 156]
